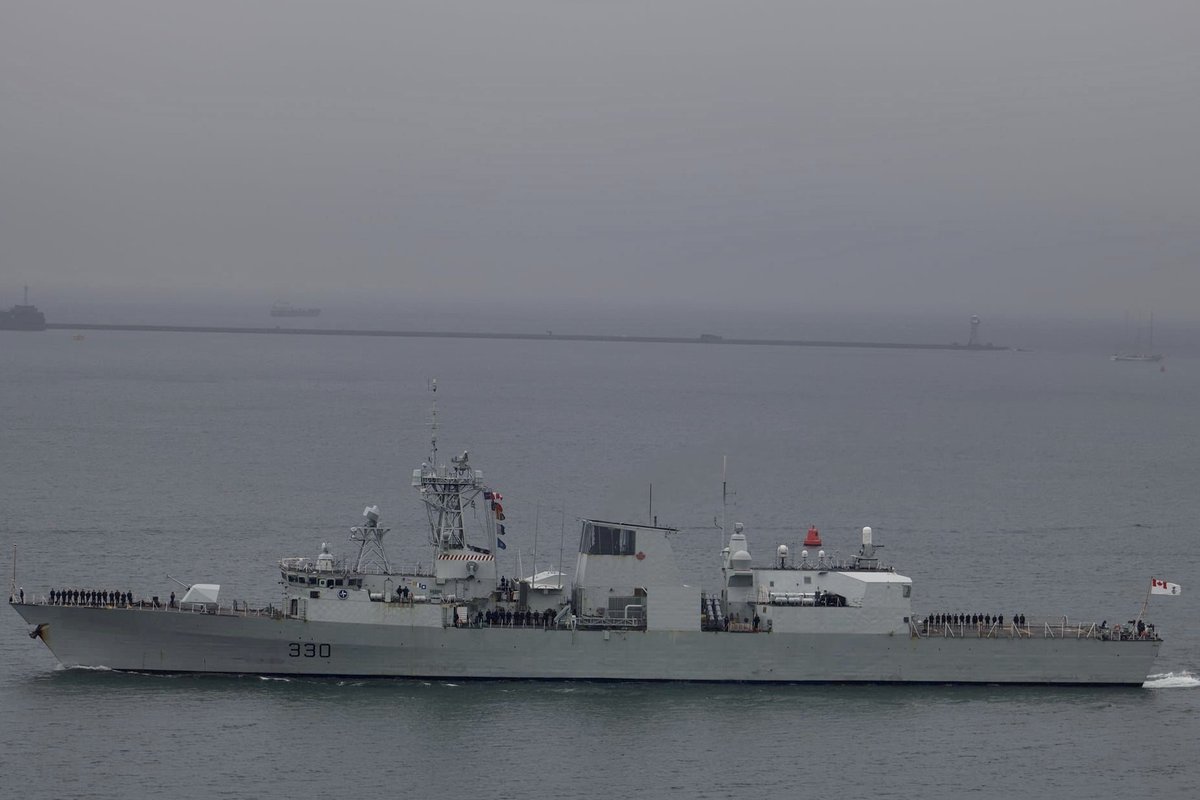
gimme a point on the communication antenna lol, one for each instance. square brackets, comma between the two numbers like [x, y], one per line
[434, 426]
[537, 513]
[562, 538]
[724, 497]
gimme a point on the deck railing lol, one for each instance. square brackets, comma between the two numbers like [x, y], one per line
[236, 608]
[1061, 628]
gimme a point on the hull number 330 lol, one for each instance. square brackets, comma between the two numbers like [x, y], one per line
[309, 650]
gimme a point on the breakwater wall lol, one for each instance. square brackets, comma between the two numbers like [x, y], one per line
[704, 339]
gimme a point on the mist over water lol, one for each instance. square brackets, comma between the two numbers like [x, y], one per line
[1035, 158]
[801, 319]
[1046, 483]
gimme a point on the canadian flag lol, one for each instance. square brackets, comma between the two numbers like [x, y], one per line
[1163, 587]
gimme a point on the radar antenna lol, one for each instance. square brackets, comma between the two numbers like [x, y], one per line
[371, 557]
[434, 426]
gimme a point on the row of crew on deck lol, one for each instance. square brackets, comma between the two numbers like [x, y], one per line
[972, 619]
[90, 597]
[507, 618]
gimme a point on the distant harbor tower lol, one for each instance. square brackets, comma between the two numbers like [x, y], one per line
[23, 317]
[974, 340]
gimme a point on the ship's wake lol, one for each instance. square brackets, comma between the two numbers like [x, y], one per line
[1172, 680]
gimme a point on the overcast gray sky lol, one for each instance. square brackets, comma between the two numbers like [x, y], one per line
[1016, 157]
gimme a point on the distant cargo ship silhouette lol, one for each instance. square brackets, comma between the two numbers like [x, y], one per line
[23, 317]
[286, 310]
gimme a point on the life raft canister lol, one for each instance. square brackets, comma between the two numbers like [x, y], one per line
[813, 539]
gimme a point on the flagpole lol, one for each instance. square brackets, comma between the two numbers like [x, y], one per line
[536, 515]
[1146, 602]
[724, 485]
[562, 538]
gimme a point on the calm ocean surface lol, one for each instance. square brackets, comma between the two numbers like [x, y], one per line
[1047, 483]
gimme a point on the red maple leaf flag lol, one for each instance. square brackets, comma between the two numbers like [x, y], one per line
[1164, 587]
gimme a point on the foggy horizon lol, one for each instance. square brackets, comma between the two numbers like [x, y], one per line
[1013, 162]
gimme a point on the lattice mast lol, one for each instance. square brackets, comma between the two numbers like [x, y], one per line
[372, 558]
[447, 492]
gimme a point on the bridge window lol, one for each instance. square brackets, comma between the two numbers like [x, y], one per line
[606, 540]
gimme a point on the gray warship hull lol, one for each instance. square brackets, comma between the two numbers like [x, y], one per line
[176, 641]
[627, 614]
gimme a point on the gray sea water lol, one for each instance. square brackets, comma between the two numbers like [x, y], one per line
[1048, 483]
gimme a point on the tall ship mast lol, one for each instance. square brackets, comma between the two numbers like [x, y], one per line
[1143, 345]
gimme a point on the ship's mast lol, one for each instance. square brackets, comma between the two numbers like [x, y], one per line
[724, 494]
[433, 459]
[371, 556]
[447, 491]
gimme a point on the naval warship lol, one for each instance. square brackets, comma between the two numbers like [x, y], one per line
[626, 614]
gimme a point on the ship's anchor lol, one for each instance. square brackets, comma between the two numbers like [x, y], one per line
[39, 632]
